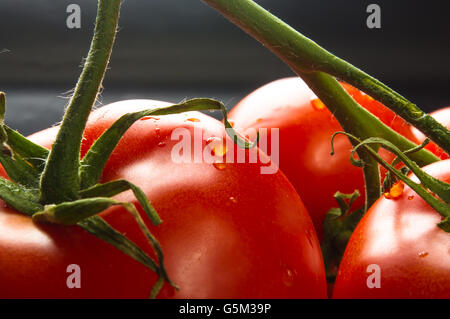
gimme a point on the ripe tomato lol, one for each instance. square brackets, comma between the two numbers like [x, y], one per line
[227, 232]
[400, 237]
[305, 129]
[443, 117]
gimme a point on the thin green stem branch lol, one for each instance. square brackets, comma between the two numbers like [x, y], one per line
[305, 56]
[60, 180]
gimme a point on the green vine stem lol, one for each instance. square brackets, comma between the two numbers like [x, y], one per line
[60, 180]
[305, 56]
[359, 122]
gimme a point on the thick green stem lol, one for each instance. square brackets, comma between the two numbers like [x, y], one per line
[60, 181]
[355, 119]
[305, 56]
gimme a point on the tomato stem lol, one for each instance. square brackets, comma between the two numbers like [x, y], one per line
[305, 56]
[60, 180]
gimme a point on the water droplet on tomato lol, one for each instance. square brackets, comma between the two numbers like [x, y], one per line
[288, 277]
[157, 129]
[233, 199]
[219, 165]
[395, 191]
[318, 104]
[145, 118]
[161, 144]
[423, 254]
[217, 145]
[411, 197]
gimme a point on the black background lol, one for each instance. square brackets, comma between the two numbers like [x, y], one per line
[175, 49]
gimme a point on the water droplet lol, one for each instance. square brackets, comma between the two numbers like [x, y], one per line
[395, 191]
[157, 129]
[318, 104]
[233, 199]
[217, 145]
[288, 277]
[193, 119]
[145, 118]
[411, 197]
[423, 254]
[161, 144]
[219, 165]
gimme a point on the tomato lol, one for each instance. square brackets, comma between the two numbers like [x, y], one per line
[228, 231]
[305, 129]
[443, 117]
[400, 237]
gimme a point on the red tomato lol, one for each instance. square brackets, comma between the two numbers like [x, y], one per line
[443, 117]
[305, 129]
[227, 232]
[400, 237]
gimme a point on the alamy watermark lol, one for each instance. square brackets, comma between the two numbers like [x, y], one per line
[374, 19]
[204, 147]
[74, 279]
[374, 279]
[73, 20]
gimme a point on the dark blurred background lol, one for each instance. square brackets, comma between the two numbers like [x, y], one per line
[175, 49]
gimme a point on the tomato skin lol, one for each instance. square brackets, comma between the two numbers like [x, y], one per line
[443, 117]
[401, 237]
[230, 233]
[305, 130]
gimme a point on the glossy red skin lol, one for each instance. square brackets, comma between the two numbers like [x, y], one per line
[443, 117]
[305, 134]
[401, 236]
[261, 245]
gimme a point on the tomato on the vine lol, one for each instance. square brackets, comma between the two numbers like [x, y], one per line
[397, 249]
[305, 129]
[228, 231]
[443, 117]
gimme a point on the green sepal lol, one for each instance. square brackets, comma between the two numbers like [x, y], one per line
[231, 132]
[19, 170]
[345, 201]
[23, 199]
[29, 151]
[157, 287]
[115, 187]
[96, 158]
[338, 226]
[70, 213]
[445, 225]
